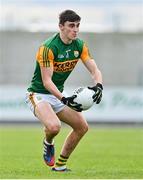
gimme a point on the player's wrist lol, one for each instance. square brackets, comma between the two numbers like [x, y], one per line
[99, 85]
[63, 100]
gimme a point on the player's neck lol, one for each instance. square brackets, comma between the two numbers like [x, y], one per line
[65, 39]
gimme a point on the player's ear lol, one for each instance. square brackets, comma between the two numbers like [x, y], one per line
[61, 27]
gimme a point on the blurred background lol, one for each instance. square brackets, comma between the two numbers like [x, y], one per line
[113, 30]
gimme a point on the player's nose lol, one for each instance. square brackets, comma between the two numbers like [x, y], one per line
[76, 29]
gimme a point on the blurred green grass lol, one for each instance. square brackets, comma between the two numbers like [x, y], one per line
[102, 153]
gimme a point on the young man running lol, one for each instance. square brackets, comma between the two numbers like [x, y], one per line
[56, 58]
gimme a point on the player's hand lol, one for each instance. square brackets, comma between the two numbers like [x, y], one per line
[98, 92]
[69, 101]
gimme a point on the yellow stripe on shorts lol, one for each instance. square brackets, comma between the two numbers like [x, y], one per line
[32, 100]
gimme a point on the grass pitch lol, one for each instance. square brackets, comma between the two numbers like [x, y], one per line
[102, 153]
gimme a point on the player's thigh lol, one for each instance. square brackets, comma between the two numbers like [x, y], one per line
[73, 118]
[47, 116]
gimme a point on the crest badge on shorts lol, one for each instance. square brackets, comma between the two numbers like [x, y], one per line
[76, 54]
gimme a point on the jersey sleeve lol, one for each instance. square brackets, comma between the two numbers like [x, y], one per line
[45, 56]
[85, 55]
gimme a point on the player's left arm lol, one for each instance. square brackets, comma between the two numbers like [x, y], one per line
[96, 75]
[94, 71]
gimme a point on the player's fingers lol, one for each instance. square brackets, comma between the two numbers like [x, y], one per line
[73, 97]
[94, 96]
[78, 105]
[99, 99]
[97, 96]
[89, 87]
[78, 109]
[75, 105]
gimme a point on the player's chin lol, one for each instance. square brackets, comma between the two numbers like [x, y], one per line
[74, 38]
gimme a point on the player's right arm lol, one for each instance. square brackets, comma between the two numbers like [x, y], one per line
[46, 73]
[45, 58]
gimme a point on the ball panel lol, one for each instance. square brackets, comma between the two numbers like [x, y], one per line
[84, 97]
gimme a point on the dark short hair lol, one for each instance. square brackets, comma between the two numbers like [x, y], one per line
[68, 15]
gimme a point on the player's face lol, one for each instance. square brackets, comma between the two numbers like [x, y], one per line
[70, 29]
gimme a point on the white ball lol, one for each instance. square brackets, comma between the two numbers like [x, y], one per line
[84, 97]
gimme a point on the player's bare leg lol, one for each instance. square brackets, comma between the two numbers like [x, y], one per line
[80, 127]
[47, 116]
[52, 124]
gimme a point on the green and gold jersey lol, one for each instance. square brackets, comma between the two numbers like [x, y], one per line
[63, 58]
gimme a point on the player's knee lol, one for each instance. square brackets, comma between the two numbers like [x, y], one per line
[53, 129]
